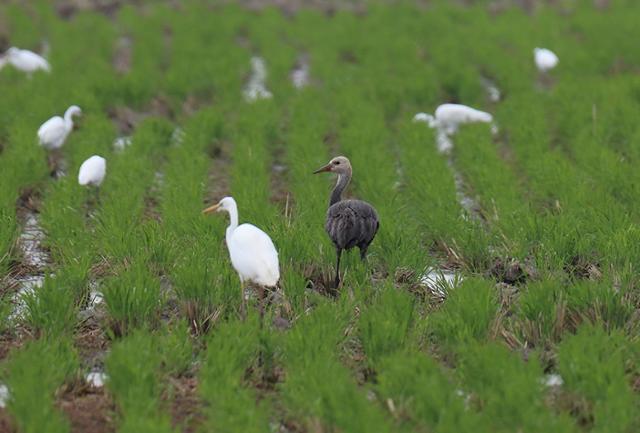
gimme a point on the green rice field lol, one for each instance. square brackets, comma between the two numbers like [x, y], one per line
[501, 293]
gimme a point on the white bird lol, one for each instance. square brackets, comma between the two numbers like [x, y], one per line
[54, 132]
[545, 59]
[92, 171]
[252, 253]
[26, 61]
[448, 117]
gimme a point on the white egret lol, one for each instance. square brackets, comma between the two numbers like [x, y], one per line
[252, 253]
[448, 117]
[54, 132]
[545, 59]
[26, 61]
[92, 171]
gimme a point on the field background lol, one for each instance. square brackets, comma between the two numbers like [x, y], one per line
[538, 332]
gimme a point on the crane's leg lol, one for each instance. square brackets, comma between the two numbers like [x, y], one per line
[338, 253]
[363, 253]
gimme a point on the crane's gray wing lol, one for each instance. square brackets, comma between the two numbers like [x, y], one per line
[351, 222]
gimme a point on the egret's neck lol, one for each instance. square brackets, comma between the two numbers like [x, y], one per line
[341, 184]
[233, 218]
[68, 118]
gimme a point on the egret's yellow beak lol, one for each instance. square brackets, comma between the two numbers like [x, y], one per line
[322, 169]
[211, 209]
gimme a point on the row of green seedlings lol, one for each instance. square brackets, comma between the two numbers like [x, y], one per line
[40, 98]
[490, 387]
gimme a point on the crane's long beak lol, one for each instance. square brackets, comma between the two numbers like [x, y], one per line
[323, 169]
[211, 209]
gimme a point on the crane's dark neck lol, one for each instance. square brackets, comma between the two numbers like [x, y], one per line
[341, 184]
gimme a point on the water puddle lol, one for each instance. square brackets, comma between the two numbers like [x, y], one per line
[31, 243]
[4, 395]
[96, 379]
[469, 204]
[552, 380]
[35, 258]
[300, 73]
[177, 136]
[28, 289]
[439, 281]
[121, 143]
[492, 90]
[256, 86]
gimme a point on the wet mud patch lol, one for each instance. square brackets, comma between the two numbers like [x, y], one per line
[300, 74]
[6, 422]
[280, 194]
[185, 404]
[92, 344]
[196, 101]
[583, 268]
[123, 55]
[126, 119]
[217, 178]
[321, 281]
[67, 9]
[89, 409]
[10, 341]
[512, 271]
[152, 198]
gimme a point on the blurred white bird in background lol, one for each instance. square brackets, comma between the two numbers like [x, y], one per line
[92, 171]
[26, 61]
[544, 59]
[54, 132]
[252, 253]
[449, 117]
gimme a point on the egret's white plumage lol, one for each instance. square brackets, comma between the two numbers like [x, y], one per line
[545, 59]
[92, 171]
[251, 250]
[448, 117]
[54, 132]
[26, 61]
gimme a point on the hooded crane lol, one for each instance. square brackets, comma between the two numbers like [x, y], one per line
[54, 132]
[252, 253]
[350, 223]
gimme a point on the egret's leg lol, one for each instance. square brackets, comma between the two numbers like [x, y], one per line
[338, 253]
[261, 302]
[243, 302]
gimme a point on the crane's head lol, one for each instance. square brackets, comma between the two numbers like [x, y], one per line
[12, 51]
[226, 204]
[339, 164]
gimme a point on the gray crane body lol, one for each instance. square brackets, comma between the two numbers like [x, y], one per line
[350, 223]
